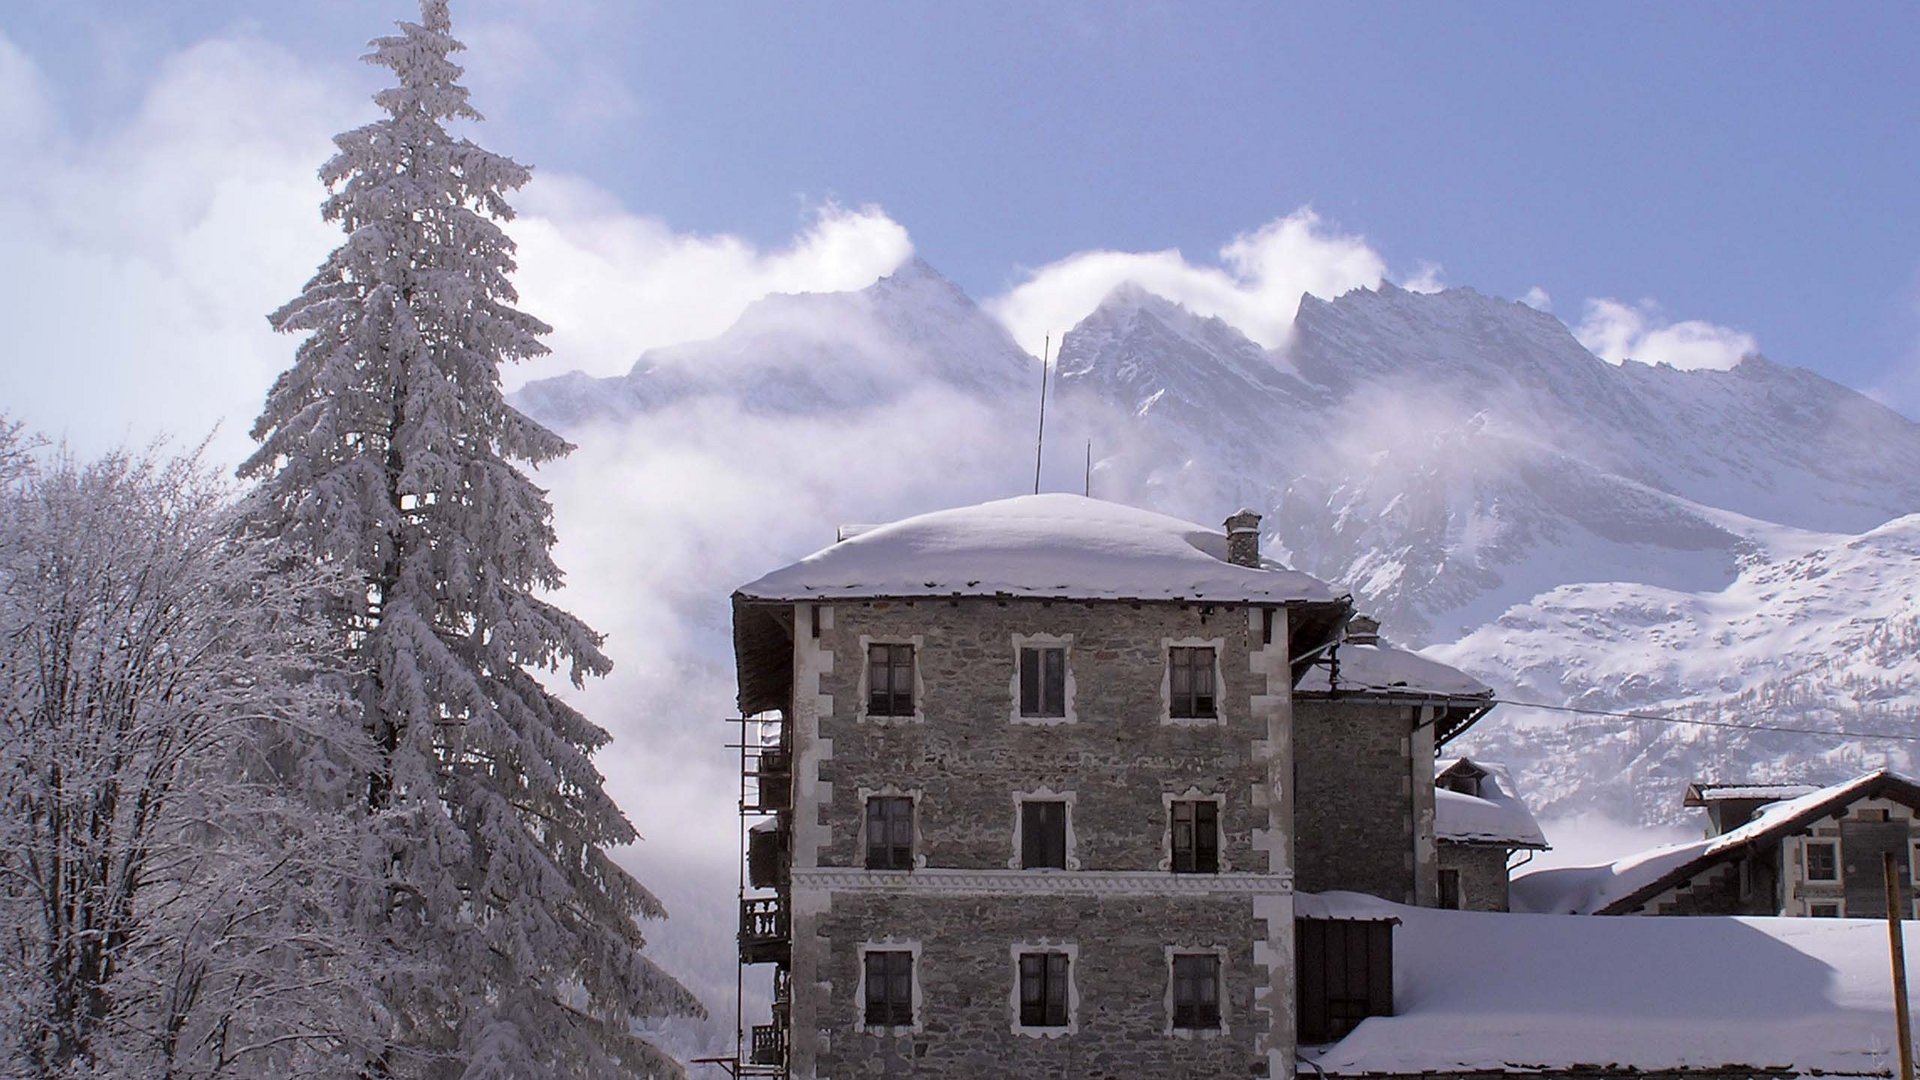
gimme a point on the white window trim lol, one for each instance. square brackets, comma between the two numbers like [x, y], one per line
[1219, 952]
[1043, 794]
[1041, 641]
[919, 714]
[860, 831]
[1219, 647]
[860, 989]
[1806, 862]
[1193, 794]
[1073, 988]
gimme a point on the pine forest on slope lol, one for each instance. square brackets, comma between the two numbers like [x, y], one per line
[1739, 546]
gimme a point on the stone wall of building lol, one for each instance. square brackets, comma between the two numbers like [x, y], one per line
[1483, 874]
[1353, 798]
[1118, 759]
[966, 977]
[966, 759]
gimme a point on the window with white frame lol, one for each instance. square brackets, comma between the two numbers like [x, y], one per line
[1043, 681]
[889, 679]
[1196, 836]
[1823, 860]
[887, 975]
[1044, 989]
[889, 832]
[1824, 910]
[1043, 834]
[1196, 991]
[1190, 683]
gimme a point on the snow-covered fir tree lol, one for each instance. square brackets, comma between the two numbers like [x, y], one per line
[389, 449]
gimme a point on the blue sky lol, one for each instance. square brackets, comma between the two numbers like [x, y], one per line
[1750, 167]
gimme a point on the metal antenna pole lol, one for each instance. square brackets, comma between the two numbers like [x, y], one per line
[1041, 439]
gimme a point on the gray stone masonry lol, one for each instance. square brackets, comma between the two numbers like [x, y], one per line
[1596, 1072]
[966, 978]
[967, 757]
[1353, 805]
[1483, 874]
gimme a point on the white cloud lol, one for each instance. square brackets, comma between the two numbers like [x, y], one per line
[614, 284]
[1538, 299]
[1429, 278]
[141, 259]
[1617, 332]
[1256, 287]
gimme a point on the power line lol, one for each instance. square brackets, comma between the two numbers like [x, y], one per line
[1666, 719]
[1662, 718]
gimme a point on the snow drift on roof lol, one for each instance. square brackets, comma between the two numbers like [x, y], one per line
[1496, 816]
[1498, 992]
[1386, 669]
[1055, 545]
[1583, 890]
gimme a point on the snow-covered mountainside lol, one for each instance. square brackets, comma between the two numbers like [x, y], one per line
[1736, 544]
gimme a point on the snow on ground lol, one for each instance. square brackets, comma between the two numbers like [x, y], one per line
[1037, 545]
[1483, 990]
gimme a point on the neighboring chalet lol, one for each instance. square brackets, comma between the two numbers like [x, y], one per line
[1769, 850]
[1479, 822]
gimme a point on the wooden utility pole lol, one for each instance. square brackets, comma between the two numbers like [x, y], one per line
[1901, 1025]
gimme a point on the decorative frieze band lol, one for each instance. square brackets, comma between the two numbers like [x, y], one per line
[1030, 882]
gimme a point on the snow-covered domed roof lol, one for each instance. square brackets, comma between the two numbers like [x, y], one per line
[1053, 545]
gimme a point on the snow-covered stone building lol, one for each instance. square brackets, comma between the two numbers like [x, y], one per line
[1368, 719]
[1769, 850]
[1479, 822]
[1039, 790]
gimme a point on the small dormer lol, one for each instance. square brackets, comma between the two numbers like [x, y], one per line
[1462, 776]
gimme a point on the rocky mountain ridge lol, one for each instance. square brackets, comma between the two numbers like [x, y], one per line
[1720, 543]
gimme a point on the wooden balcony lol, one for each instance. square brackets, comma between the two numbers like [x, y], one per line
[765, 930]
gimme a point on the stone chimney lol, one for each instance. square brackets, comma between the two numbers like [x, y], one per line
[1243, 539]
[1363, 630]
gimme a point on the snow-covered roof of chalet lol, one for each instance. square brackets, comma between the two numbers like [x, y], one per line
[1496, 816]
[1625, 883]
[1054, 545]
[1492, 992]
[1385, 669]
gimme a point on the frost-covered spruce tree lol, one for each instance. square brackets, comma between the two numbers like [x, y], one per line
[389, 449]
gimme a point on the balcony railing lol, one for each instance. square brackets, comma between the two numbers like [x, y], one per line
[764, 930]
[769, 1045]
